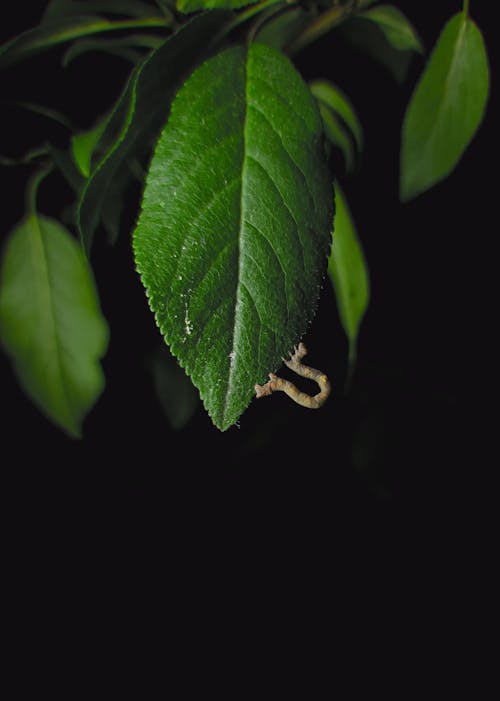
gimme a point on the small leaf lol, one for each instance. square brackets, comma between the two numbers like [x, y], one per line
[83, 145]
[336, 100]
[141, 111]
[176, 393]
[50, 322]
[368, 37]
[236, 221]
[187, 6]
[337, 135]
[446, 108]
[348, 273]
[282, 27]
[396, 28]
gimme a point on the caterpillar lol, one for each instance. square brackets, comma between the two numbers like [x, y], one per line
[278, 384]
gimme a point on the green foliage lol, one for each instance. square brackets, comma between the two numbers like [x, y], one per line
[339, 118]
[61, 31]
[385, 34]
[235, 227]
[188, 6]
[396, 28]
[348, 272]
[446, 108]
[140, 112]
[50, 322]
[230, 147]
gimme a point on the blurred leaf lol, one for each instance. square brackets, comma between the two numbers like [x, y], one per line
[282, 27]
[50, 322]
[142, 110]
[84, 143]
[337, 135]
[130, 48]
[446, 107]
[187, 6]
[177, 394]
[398, 31]
[59, 31]
[236, 221]
[348, 273]
[332, 96]
[58, 9]
[368, 37]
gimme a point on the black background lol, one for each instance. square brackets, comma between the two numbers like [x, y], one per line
[409, 442]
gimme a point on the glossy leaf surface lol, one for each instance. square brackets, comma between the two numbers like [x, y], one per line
[236, 221]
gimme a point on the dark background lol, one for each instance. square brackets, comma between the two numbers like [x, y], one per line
[407, 444]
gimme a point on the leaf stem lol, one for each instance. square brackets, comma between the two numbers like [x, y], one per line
[466, 8]
[33, 185]
[246, 15]
[325, 22]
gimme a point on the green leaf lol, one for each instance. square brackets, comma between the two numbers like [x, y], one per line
[141, 112]
[282, 27]
[235, 228]
[131, 48]
[348, 273]
[50, 322]
[446, 108]
[177, 396]
[332, 96]
[369, 38]
[396, 28]
[187, 6]
[60, 31]
[337, 135]
[83, 145]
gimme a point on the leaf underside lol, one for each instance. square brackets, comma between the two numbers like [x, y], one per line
[235, 229]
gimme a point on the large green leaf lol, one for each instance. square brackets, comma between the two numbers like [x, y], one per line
[446, 108]
[141, 112]
[348, 273]
[235, 228]
[50, 322]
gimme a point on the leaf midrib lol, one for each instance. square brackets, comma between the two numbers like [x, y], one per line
[443, 104]
[236, 325]
[40, 264]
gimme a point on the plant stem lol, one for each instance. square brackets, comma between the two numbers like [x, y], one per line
[32, 187]
[245, 15]
[325, 22]
[466, 8]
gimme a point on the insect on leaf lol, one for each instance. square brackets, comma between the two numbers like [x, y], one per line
[446, 108]
[235, 229]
